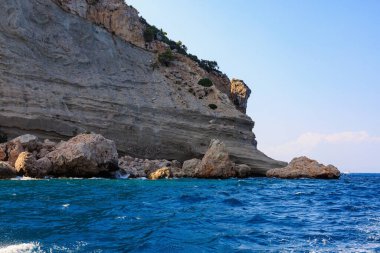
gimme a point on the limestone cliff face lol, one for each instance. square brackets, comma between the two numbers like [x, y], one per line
[62, 74]
[114, 15]
[239, 94]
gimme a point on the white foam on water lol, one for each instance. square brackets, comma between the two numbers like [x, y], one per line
[119, 175]
[78, 246]
[24, 178]
[22, 248]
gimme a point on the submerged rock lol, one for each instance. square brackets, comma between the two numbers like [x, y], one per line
[6, 171]
[216, 162]
[160, 174]
[303, 167]
[86, 155]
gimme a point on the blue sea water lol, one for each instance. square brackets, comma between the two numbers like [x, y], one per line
[190, 215]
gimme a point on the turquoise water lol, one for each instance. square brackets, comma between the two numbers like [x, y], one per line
[191, 215]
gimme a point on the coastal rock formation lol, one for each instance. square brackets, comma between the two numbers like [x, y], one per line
[160, 174]
[216, 163]
[27, 165]
[188, 169]
[86, 155]
[134, 167]
[6, 171]
[243, 171]
[303, 167]
[10, 151]
[63, 74]
[239, 94]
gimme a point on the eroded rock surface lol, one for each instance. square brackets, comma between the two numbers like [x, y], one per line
[216, 163]
[27, 165]
[163, 173]
[6, 171]
[239, 94]
[64, 74]
[114, 15]
[134, 167]
[189, 169]
[303, 167]
[86, 155]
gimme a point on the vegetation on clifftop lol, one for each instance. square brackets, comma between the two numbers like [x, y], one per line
[152, 33]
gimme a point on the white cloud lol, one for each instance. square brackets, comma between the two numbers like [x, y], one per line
[307, 142]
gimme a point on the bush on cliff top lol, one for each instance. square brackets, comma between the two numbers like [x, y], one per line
[166, 57]
[152, 33]
[149, 34]
[205, 82]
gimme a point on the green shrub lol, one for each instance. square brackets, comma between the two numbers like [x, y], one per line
[166, 57]
[3, 137]
[205, 82]
[213, 106]
[149, 34]
[153, 33]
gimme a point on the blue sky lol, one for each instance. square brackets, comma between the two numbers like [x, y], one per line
[313, 67]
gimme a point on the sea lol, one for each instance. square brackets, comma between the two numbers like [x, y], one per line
[191, 215]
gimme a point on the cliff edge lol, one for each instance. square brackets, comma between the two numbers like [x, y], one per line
[74, 66]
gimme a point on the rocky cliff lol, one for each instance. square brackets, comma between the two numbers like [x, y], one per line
[73, 66]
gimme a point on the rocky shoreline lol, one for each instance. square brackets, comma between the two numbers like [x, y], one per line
[92, 155]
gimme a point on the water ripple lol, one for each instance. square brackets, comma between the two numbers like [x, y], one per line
[188, 215]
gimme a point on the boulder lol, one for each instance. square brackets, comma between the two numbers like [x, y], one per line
[216, 162]
[46, 147]
[28, 142]
[3, 152]
[303, 167]
[10, 151]
[136, 168]
[160, 174]
[243, 171]
[86, 155]
[27, 165]
[131, 168]
[14, 148]
[188, 169]
[6, 171]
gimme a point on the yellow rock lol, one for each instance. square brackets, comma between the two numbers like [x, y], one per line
[160, 174]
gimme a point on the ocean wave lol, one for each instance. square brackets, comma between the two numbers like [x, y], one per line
[22, 248]
[24, 178]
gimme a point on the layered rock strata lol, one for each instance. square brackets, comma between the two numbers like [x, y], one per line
[62, 74]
